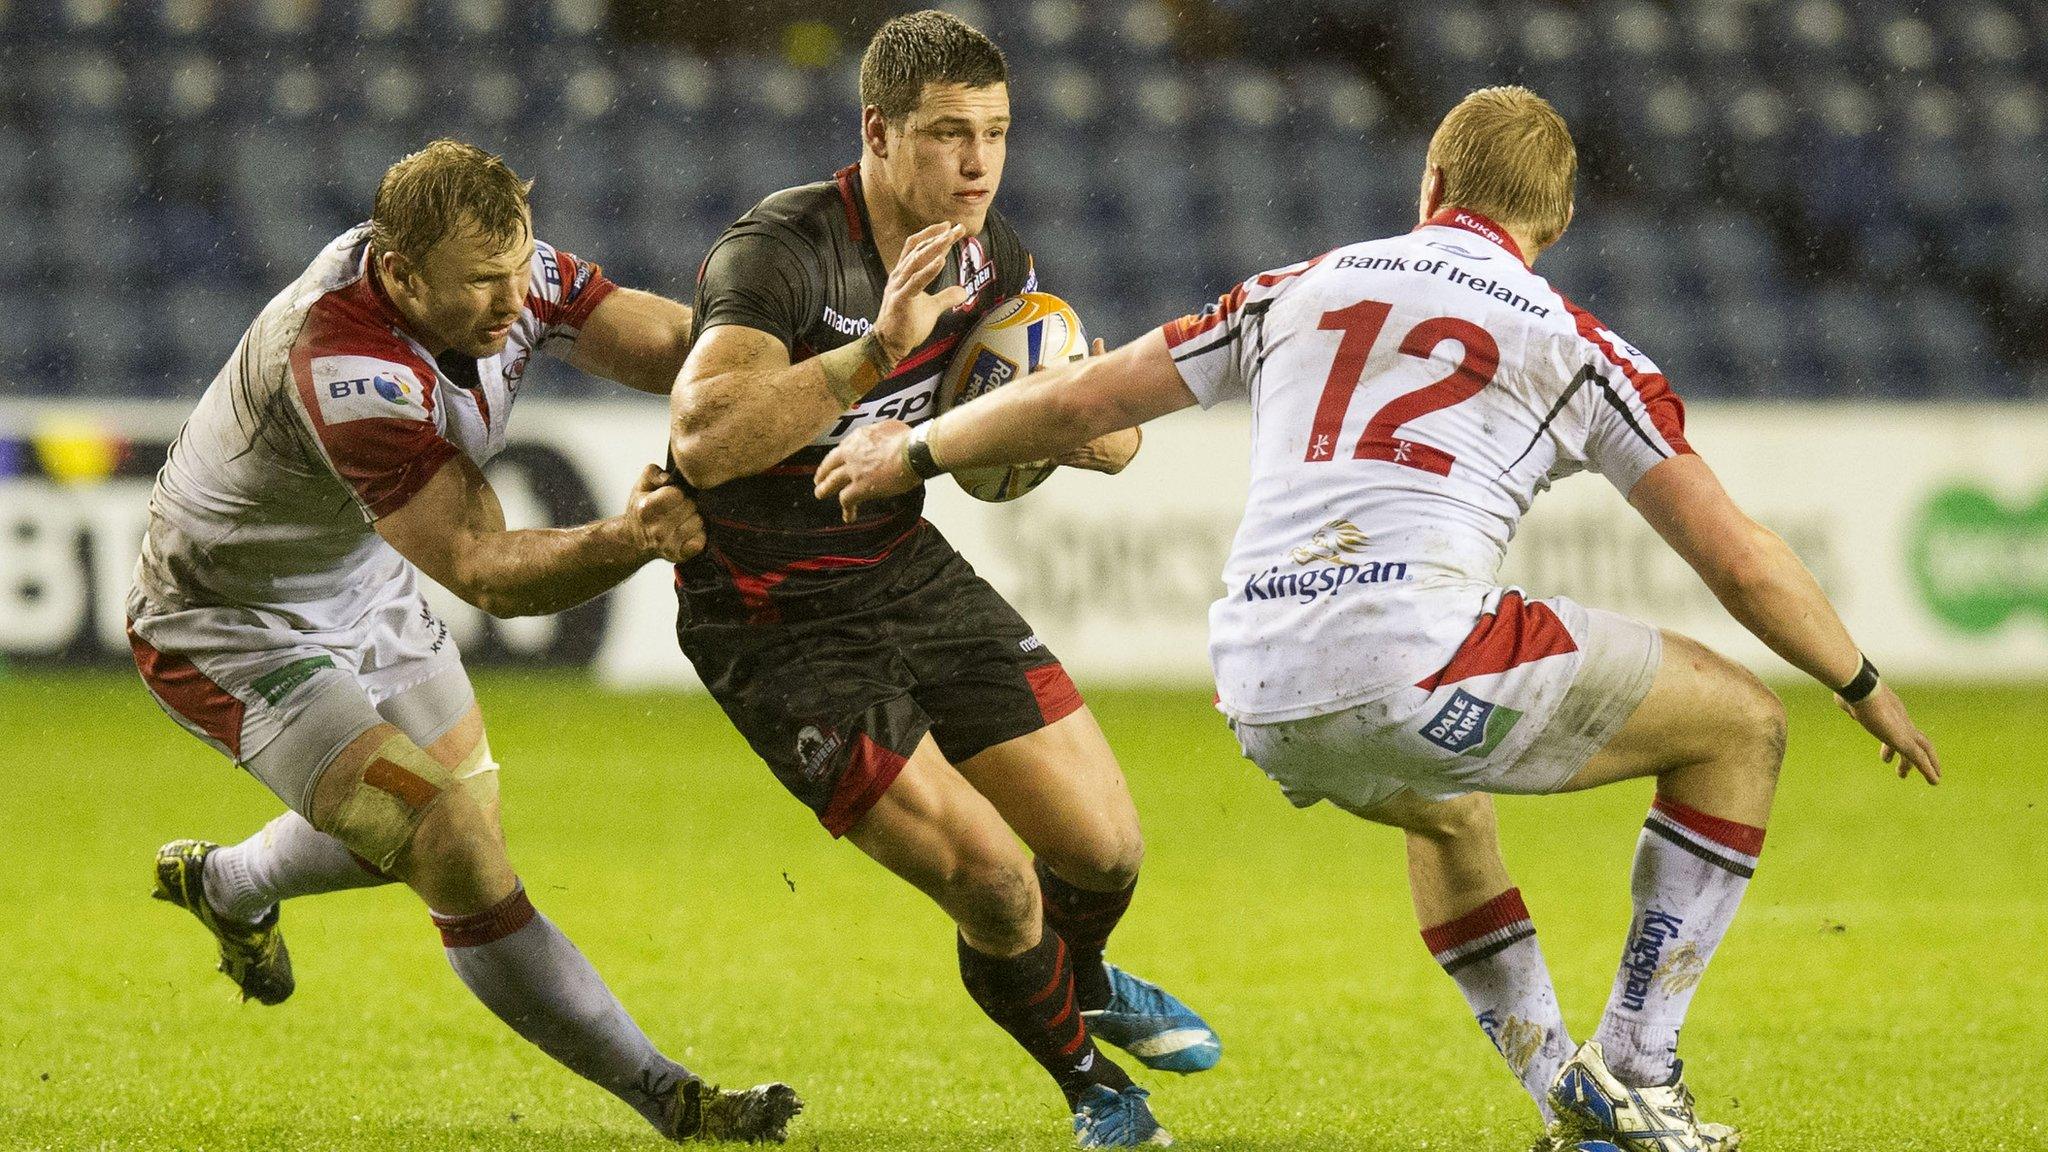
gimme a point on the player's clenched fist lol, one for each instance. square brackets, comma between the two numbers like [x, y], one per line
[908, 312]
[662, 520]
[867, 465]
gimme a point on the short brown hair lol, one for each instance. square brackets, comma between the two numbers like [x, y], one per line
[426, 196]
[928, 47]
[1507, 154]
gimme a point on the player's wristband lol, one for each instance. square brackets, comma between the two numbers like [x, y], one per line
[1858, 690]
[917, 452]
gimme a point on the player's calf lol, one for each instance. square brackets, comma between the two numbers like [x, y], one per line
[406, 810]
[1714, 736]
[1476, 926]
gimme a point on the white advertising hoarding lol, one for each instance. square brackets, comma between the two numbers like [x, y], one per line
[1927, 525]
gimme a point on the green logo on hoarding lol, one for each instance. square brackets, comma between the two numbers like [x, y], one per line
[1978, 562]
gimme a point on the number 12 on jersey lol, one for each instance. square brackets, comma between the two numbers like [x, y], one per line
[1361, 324]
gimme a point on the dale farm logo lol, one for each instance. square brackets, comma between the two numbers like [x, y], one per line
[1977, 561]
[1469, 726]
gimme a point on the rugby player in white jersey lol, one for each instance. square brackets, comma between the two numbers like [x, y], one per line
[277, 613]
[1411, 396]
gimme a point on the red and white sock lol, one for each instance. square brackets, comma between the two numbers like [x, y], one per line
[1492, 954]
[1690, 872]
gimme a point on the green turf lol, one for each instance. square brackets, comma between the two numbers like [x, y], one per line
[1883, 989]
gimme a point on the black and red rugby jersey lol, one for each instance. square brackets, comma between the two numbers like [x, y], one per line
[802, 266]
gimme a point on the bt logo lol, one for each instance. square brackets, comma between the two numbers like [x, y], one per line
[392, 388]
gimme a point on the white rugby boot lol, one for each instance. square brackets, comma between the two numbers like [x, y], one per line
[1588, 1096]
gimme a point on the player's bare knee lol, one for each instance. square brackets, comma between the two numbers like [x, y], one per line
[1763, 725]
[1104, 863]
[996, 901]
[1466, 819]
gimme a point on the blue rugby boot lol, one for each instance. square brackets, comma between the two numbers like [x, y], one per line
[1106, 1118]
[1148, 1022]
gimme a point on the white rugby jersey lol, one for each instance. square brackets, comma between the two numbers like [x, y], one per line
[1410, 397]
[327, 416]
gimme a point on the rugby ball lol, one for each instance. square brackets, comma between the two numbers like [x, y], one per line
[1017, 337]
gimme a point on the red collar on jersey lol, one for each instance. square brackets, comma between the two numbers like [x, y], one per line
[1476, 224]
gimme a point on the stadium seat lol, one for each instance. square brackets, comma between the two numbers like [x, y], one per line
[24, 247]
[105, 332]
[201, 327]
[223, 142]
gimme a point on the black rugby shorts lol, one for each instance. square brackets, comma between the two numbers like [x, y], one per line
[836, 703]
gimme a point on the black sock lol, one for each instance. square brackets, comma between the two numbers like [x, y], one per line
[1031, 995]
[1084, 919]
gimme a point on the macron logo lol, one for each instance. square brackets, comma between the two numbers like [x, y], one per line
[846, 325]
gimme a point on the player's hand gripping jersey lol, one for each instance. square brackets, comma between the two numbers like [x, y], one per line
[328, 416]
[1410, 398]
[800, 267]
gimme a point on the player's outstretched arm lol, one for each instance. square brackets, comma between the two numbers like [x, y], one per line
[635, 338]
[454, 530]
[1762, 583]
[739, 406]
[1063, 408]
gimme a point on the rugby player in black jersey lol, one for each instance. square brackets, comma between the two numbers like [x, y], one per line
[888, 686]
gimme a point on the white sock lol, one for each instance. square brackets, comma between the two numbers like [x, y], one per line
[530, 975]
[1492, 954]
[1690, 872]
[288, 858]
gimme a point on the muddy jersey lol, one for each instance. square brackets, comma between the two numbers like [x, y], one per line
[802, 266]
[328, 416]
[1410, 398]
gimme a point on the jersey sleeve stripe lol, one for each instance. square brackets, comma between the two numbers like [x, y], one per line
[1269, 279]
[1186, 328]
[1666, 410]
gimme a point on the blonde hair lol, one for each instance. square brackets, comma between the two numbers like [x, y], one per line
[446, 185]
[1506, 153]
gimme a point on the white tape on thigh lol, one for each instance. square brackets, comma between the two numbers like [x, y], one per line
[478, 774]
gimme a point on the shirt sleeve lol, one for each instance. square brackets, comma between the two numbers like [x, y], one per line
[372, 418]
[564, 292]
[757, 280]
[1636, 421]
[1205, 348]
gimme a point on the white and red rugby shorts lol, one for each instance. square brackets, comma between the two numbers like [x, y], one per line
[1535, 689]
[246, 680]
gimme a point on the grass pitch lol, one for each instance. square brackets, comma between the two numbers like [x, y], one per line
[1882, 990]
